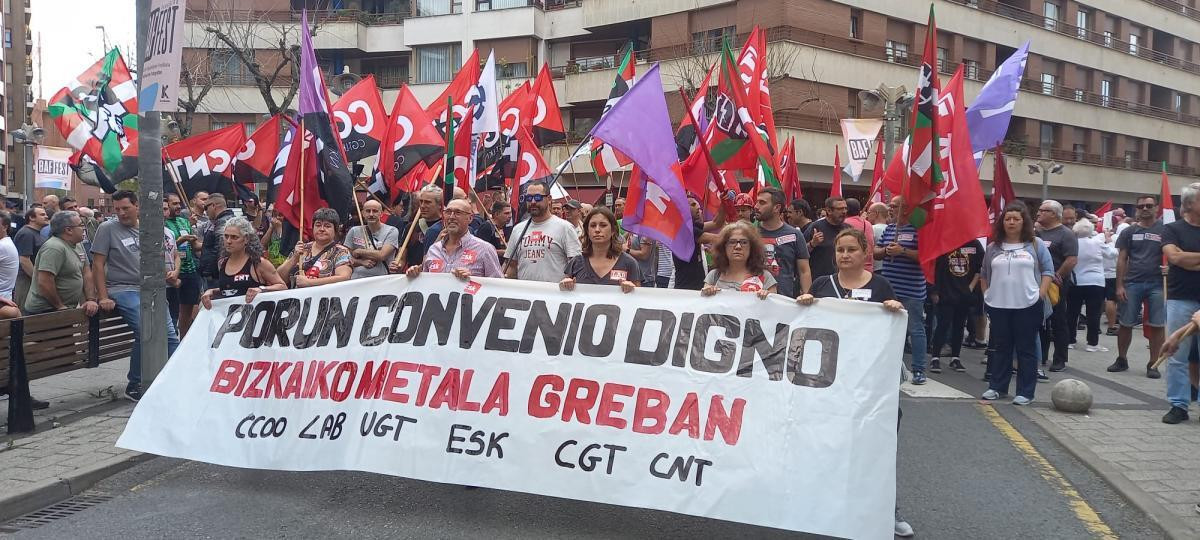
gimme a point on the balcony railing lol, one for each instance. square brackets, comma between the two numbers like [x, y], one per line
[267, 16]
[1104, 40]
[1177, 7]
[1019, 149]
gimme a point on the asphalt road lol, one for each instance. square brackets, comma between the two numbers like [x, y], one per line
[959, 477]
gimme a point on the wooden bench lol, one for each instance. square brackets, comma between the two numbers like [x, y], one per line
[39, 346]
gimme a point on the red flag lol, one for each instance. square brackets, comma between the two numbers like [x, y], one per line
[1002, 188]
[541, 111]
[287, 201]
[360, 119]
[462, 153]
[1168, 206]
[530, 166]
[205, 161]
[457, 90]
[836, 189]
[512, 110]
[957, 213]
[753, 66]
[1100, 212]
[410, 141]
[256, 158]
[688, 133]
[789, 171]
[924, 175]
[877, 175]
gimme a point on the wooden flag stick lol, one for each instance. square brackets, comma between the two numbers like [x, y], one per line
[303, 153]
[175, 178]
[399, 260]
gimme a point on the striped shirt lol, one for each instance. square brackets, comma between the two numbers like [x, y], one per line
[902, 272]
[473, 254]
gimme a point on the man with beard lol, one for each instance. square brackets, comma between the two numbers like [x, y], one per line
[821, 234]
[371, 244]
[786, 252]
[1139, 282]
[429, 226]
[543, 243]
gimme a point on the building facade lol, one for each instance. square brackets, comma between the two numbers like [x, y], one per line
[1107, 91]
[17, 96]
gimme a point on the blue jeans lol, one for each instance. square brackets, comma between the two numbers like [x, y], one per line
[1179, 385]
[1014, 333]
[1137, 293]
[129, 308]
[916, 330]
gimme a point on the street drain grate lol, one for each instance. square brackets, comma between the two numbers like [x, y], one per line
[55, 512]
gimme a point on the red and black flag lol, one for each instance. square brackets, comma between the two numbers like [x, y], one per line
[334, 179]
[541, 111]
[360, 119]
[605, 158]
[410, 140]
[256, 158]
[688, 133]
[459, 92]
[492, 150]
[286, 177]
[205, 162]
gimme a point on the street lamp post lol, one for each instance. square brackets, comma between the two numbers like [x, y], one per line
[29, 136]
[891, 99]
[1046, 168]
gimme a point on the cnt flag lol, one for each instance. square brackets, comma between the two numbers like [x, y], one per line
[411, 140]
[605, 159]
[205, 162]
[530, 166]
[360, 119]
[296, 145]
[256, 158]
[541, 111]
[924, 175]
[688, 134]
[458, 157]
[789, 171]
[640, 127]
[334, 179]
[98, 115]
[494, 144]
[458, 91]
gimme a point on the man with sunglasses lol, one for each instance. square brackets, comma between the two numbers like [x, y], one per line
[210, 246]
[1064, 251]
[546, 242]
[1139, 282]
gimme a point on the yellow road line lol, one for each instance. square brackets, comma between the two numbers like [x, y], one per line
[1083, 511]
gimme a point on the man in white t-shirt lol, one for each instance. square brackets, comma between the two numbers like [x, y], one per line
[9, 260]
[546, 242]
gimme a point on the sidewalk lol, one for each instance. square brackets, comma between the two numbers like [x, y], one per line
[74, 445]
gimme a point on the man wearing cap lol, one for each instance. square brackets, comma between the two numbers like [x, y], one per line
[573, 211]
[745, 207]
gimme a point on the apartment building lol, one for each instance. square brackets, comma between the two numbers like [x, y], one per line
[1107, 90]
[16, 96]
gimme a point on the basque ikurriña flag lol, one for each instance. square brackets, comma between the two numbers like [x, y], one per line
[923, 178]
[605, 159]
[98, 115]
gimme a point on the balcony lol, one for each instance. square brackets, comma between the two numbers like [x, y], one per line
[1177, 7]
[1107, 41]
[1020, 149]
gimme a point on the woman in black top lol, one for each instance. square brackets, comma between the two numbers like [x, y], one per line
[852, 281]
[602, 261]
[243, 269]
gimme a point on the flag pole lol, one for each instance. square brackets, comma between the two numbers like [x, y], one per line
[413, 225]
[303, 154]
[175, 177]
[712, 164]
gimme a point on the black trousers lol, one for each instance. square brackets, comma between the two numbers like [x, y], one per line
[1091, 296]
[951, 321]
[1055, 330]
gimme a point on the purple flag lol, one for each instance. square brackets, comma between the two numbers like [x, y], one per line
[639, 126]
[988, 116]
[335, 181]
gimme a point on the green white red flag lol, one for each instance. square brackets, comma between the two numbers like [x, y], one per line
[606, 159]
[97, 114]
[924, 175]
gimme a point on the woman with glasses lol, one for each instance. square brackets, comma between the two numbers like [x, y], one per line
[739, 263]
[322, 261]
[603, 260]
[243, 269]
[1015, 277]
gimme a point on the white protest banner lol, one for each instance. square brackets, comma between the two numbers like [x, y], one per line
[52, 167]
[159, 73]
[729, 407]
[859, 135]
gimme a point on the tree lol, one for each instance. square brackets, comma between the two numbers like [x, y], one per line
[245, 35]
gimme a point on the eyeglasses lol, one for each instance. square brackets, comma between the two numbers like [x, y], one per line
[534, 198]
[1146, 206]
[454, 212]
[737, 242]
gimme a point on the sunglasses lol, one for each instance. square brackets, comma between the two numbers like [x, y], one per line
[534, 198]
[1146, 206]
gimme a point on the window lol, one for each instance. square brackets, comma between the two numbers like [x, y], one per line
[1078, 94]
[7, 6]
[1106, 145]
[1133, 43]
[216, 125]
[971, 69]
[1130, 157]
[709, 41]
[485, 5]
[1108, 38]
[1081, 23]
[515, 70]
[438, 7]
[1047, 138]
[856, 18]
[1079, 150]
[943, 53]
[438, 63]
[1050, 15]
[1048, 84]
[249, 127]
[7, 38]
[91, 203]
[896, 51]
[226, 65]
[1177, 102]
[1105, 92]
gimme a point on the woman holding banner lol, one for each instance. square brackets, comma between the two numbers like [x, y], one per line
[602, 260]
[322, 261]
[1015, 278]
[244, 269]
[739, 262]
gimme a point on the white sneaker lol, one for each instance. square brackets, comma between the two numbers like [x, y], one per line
[1071, 346]
[990, 395]
[1022, 400]
[903, 529]
[1096, 348]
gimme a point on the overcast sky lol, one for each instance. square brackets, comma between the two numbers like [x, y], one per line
[70, 40]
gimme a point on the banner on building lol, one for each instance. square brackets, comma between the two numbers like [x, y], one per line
[52, 167]
[859, 135]
[728, 407]
[159, 73]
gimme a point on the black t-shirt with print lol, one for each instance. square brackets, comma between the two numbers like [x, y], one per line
[956, 270]
[876, 290]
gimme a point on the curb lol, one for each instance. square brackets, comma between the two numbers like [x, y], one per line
[1170, 524]
[55, 490]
